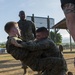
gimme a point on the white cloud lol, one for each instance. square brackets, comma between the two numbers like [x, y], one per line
[65, 36]
[64, 33]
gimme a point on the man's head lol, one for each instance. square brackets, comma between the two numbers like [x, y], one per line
[22, 15]
[11, 28]
[70, 73]
[41, 33]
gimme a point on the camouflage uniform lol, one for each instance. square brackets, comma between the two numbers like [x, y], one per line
[49, 56]
[16, 52]
[27, 32]
[41, 55]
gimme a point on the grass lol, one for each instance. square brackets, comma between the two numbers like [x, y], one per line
[10, 66]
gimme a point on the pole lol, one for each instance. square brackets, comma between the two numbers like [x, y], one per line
[48, 25]
[32, 18]
[70, 44]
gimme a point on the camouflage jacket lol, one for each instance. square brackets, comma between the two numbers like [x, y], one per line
[27, 29]
[17, 52]
[45, 46]
[43, 49]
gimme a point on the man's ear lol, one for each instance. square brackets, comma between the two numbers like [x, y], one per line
[47, 32]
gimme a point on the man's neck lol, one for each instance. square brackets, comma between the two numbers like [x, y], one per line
[22, 19]
[13, 35]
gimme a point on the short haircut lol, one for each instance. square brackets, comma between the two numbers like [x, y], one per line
[9, 25]
[21, 12]
[41, 29]
[70, 73]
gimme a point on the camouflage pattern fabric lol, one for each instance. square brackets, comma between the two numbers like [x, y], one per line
[41, 55]
[27, 30]
[45, 48]
[28, 33]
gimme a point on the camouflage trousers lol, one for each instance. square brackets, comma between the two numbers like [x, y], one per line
[51, 66]
[51, 73]
[48, 66]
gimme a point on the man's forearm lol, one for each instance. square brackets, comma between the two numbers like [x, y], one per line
[33, 46]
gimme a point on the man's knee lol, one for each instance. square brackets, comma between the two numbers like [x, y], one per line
[63, 2]
[69, 8]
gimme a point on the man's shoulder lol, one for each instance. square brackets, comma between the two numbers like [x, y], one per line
[8, 40]
[19, 21]
[26, 22]
[47, 39]
[29, 21]
[44, 41]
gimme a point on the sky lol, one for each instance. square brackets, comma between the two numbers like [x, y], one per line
[9, 10]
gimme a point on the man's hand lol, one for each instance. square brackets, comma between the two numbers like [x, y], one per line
[14, 42]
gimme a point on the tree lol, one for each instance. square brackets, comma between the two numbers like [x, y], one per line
[2, 45]
[56, 37]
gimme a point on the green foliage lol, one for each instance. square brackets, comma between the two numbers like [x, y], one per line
[56, 37]
[2, 45]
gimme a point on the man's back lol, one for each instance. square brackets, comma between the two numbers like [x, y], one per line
[46, 48]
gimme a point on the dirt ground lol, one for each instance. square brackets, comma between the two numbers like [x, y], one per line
[10, 66]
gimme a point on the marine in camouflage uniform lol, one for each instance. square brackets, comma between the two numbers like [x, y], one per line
[49, 56]
[27, 30]
[40, 55]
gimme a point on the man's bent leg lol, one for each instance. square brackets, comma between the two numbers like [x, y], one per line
[57, 71]
[63, 72]
[69, 11]
[49, 65]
